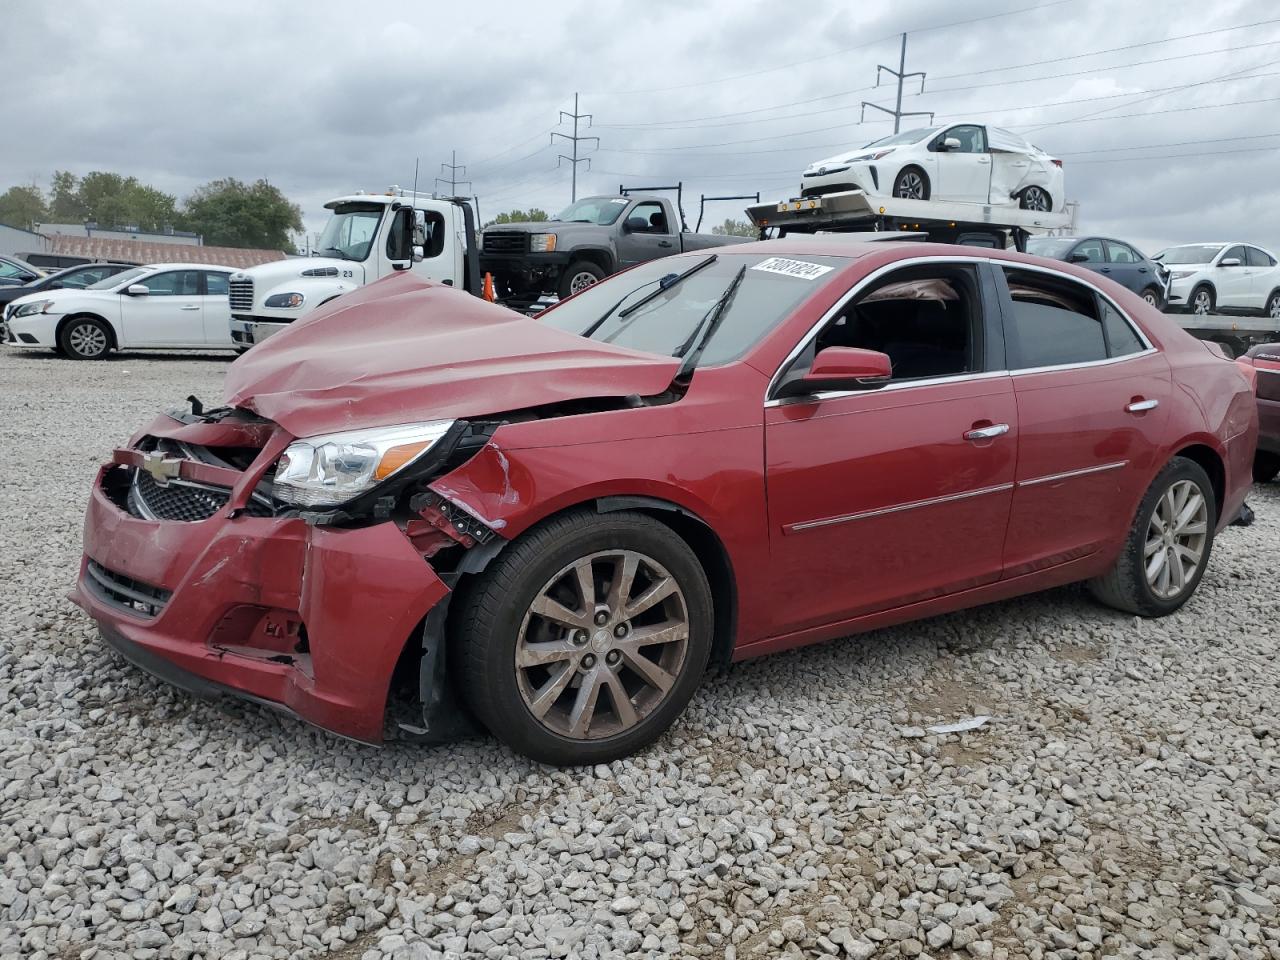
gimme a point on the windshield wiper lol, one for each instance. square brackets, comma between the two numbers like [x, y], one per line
[342, 254]
[711, 320]
[666, 283]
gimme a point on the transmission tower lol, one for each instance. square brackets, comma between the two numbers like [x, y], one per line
[575, 140]
[897, 112]
[453, 178]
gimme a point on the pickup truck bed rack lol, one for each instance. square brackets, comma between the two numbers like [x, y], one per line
[944, 221]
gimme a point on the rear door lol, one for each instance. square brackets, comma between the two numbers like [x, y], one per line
[216, 308]
[963, 173]
[1264, 276]
[1092, 398]
[1126, 267]
[170, 314]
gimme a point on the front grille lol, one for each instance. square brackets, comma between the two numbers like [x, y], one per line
[505, 241]
[184, 500]
[125, 592]
[241, 294]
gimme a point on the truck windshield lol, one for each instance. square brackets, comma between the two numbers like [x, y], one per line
[1192, 253]
[601, 211]
[770, 289]
[350, 231]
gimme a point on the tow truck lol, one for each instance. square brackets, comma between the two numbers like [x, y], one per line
[941, 221]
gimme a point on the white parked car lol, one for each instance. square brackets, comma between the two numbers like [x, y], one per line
[1222, 278]
[961, 161]
[167, 306]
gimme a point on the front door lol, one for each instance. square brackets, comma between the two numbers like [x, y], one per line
[963, 171]
[170, 314]
[1235, 282]
[646, 234]
[884, 498]
[1092, 400]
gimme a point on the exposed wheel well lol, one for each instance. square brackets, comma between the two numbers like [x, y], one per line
[1273, 293]
[600, 258]
[62, 325]
[1211, 463]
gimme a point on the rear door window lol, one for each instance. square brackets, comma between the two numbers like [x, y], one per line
[1122, 253]
[178, 283]
[216, 284]
[1122, 340]
[1258, 258]
[1053, 321]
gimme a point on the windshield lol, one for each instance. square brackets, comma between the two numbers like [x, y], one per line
[350, 231]
[119, 280]
[910, 136]
[601, 211]
[771, 288]
[1191, 253]
[1053, 247]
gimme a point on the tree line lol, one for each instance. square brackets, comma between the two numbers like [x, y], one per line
[226, 212]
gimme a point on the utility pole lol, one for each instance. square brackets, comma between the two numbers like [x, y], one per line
[574, 160]
[454, 178]
[902, 75]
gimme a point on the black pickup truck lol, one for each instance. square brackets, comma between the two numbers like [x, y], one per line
[589, 240]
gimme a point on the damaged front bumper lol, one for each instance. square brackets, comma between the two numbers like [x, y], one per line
[310, 619]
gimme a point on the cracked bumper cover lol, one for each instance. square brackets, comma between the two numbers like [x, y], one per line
[360, 593]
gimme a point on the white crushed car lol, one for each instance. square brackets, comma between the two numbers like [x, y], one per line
[962, 161]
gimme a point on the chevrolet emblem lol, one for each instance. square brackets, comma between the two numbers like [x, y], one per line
[162, 468]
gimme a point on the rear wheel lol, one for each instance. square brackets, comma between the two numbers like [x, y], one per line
[1168, 546]
[1035, 198]
[586, 638]
[1201, 300]
[579, 275]
[1272, 309]
[1265, 466]
[911, 184]
[85, 338]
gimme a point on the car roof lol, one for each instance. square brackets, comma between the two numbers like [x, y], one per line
[188, 266]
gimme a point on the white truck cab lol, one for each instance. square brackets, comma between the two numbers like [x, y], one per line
[368, 236]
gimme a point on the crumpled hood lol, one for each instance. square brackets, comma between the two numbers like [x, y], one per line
[403, 350]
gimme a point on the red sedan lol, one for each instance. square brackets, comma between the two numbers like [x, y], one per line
[417, 507]
[1264, 362]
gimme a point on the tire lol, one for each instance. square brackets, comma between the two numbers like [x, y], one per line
[578, 276]
[911, 183]
[1272, 309]
[85, 338]
[1265, 466]
[1202, 300]
[498, 623]
[1035, 198]
[1127, 586]
[1153, 296]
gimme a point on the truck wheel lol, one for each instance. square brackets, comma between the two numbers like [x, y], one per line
[1035, 198]
[586, 638]
[85, 338]
[1168, 546]
[1265, 466]
[911, 184]
[578, 276]
[1201, 300]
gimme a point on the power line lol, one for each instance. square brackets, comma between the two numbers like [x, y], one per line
[1176, 143]
[1176, 156]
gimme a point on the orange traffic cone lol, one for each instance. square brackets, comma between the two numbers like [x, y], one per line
[488, 288]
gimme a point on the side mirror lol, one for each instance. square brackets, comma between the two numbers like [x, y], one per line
[1229, 262]
[1078, 258]
[841, 368]
[951, 143]
[137, 290]
[635, 224]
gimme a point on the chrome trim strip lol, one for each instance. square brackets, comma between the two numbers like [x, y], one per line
[1071, 474]
[896, 508]
[1084, 365]
[888, 387]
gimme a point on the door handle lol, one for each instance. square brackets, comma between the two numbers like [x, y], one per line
[1105, 269]
[1142, 269]
[664, 243]
[192, 306]
[984, 159]
[987, 433]
[1142, 406]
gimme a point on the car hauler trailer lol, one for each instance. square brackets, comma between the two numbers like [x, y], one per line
[942, 221]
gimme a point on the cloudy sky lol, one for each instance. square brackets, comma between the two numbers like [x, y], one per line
[1167, 115]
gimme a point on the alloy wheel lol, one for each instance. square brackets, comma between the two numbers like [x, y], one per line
[1202, 303]
[87, 339]
[1273, 308]
[1150, 297]
[1176, 538]
[1035, 199]
[581, 281]
[602, 645]
[911, 186]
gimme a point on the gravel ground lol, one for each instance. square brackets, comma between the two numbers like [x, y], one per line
[1122, 802]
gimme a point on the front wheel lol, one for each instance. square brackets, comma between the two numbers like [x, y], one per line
[1168, 546]
[1202, 301]
[1265, 466]
[1152, 296]
[578, 277]
[85, 338]
[586, 638]
[1035, 198]
[911, 184]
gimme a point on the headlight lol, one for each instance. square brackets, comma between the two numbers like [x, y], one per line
[331, 469]
[285, 300]
[32, 308]
[1182, 274]
[542, 242]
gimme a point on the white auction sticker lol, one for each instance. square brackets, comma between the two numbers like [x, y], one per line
[793, 268]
